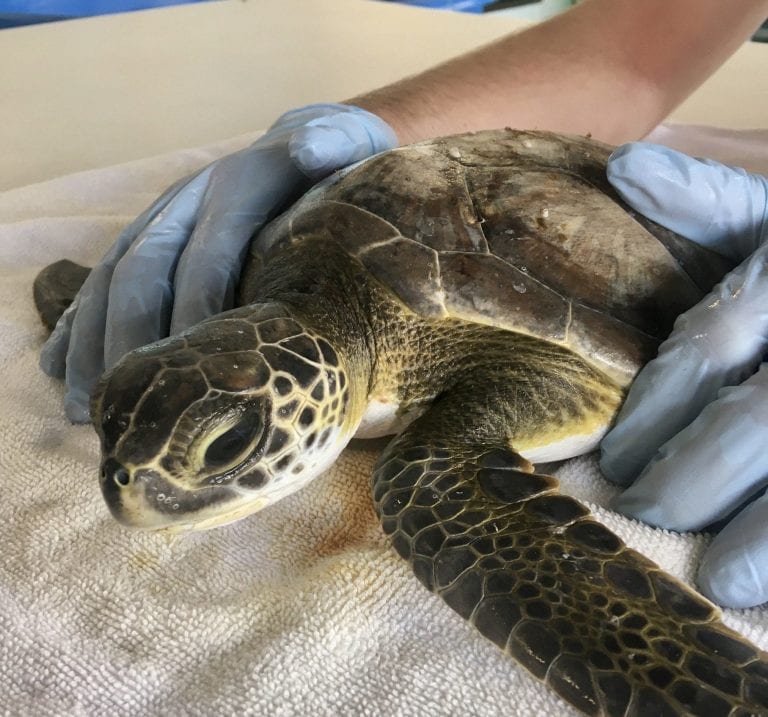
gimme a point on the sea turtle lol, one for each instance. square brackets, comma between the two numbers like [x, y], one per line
[488, 298]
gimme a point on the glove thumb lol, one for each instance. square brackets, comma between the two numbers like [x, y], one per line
[334, 141]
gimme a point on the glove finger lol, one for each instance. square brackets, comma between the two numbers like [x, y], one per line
[717, 343]
[301, 115]
[140, 287]
[328, 143]
[53, 356]
[239, 201]
[710, 468]
[318, 151]
[720, 207]
[734, 569]
[85, 358]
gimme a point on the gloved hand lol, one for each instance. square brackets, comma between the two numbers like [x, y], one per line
[180, 261]
[692, 436]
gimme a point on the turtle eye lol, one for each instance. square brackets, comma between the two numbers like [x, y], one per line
[232, 444]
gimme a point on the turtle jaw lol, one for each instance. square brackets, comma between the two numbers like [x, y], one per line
[144, 499]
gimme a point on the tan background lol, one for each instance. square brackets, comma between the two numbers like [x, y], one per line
[94, 92]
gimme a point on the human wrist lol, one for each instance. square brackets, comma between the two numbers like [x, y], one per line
[395, 106]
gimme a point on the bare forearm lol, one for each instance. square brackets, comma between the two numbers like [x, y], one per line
[612, 68]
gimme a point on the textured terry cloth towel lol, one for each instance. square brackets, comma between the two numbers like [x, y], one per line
[302, 609]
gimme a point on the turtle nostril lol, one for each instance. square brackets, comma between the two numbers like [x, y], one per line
[116, 472]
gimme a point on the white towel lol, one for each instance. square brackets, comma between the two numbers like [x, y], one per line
[302, 609]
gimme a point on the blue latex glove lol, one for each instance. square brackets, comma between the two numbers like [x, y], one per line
[692, 436]
[180, 261]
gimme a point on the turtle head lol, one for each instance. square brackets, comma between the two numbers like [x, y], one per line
[207, 427]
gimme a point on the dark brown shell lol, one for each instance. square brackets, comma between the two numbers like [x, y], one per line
[518, 230]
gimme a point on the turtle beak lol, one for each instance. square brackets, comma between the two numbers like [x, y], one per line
[125, 494]
[144, 499]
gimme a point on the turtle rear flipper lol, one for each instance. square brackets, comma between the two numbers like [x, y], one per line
[55, 288]
[602, 625]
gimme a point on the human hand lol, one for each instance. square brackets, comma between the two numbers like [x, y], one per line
[179, 262]
[691, 440]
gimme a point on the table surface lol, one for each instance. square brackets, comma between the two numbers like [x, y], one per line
[94, 92]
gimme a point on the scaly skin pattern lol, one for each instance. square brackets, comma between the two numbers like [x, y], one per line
[210, 425]
[603, 626]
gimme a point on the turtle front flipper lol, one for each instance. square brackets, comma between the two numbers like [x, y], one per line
[603, 626]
